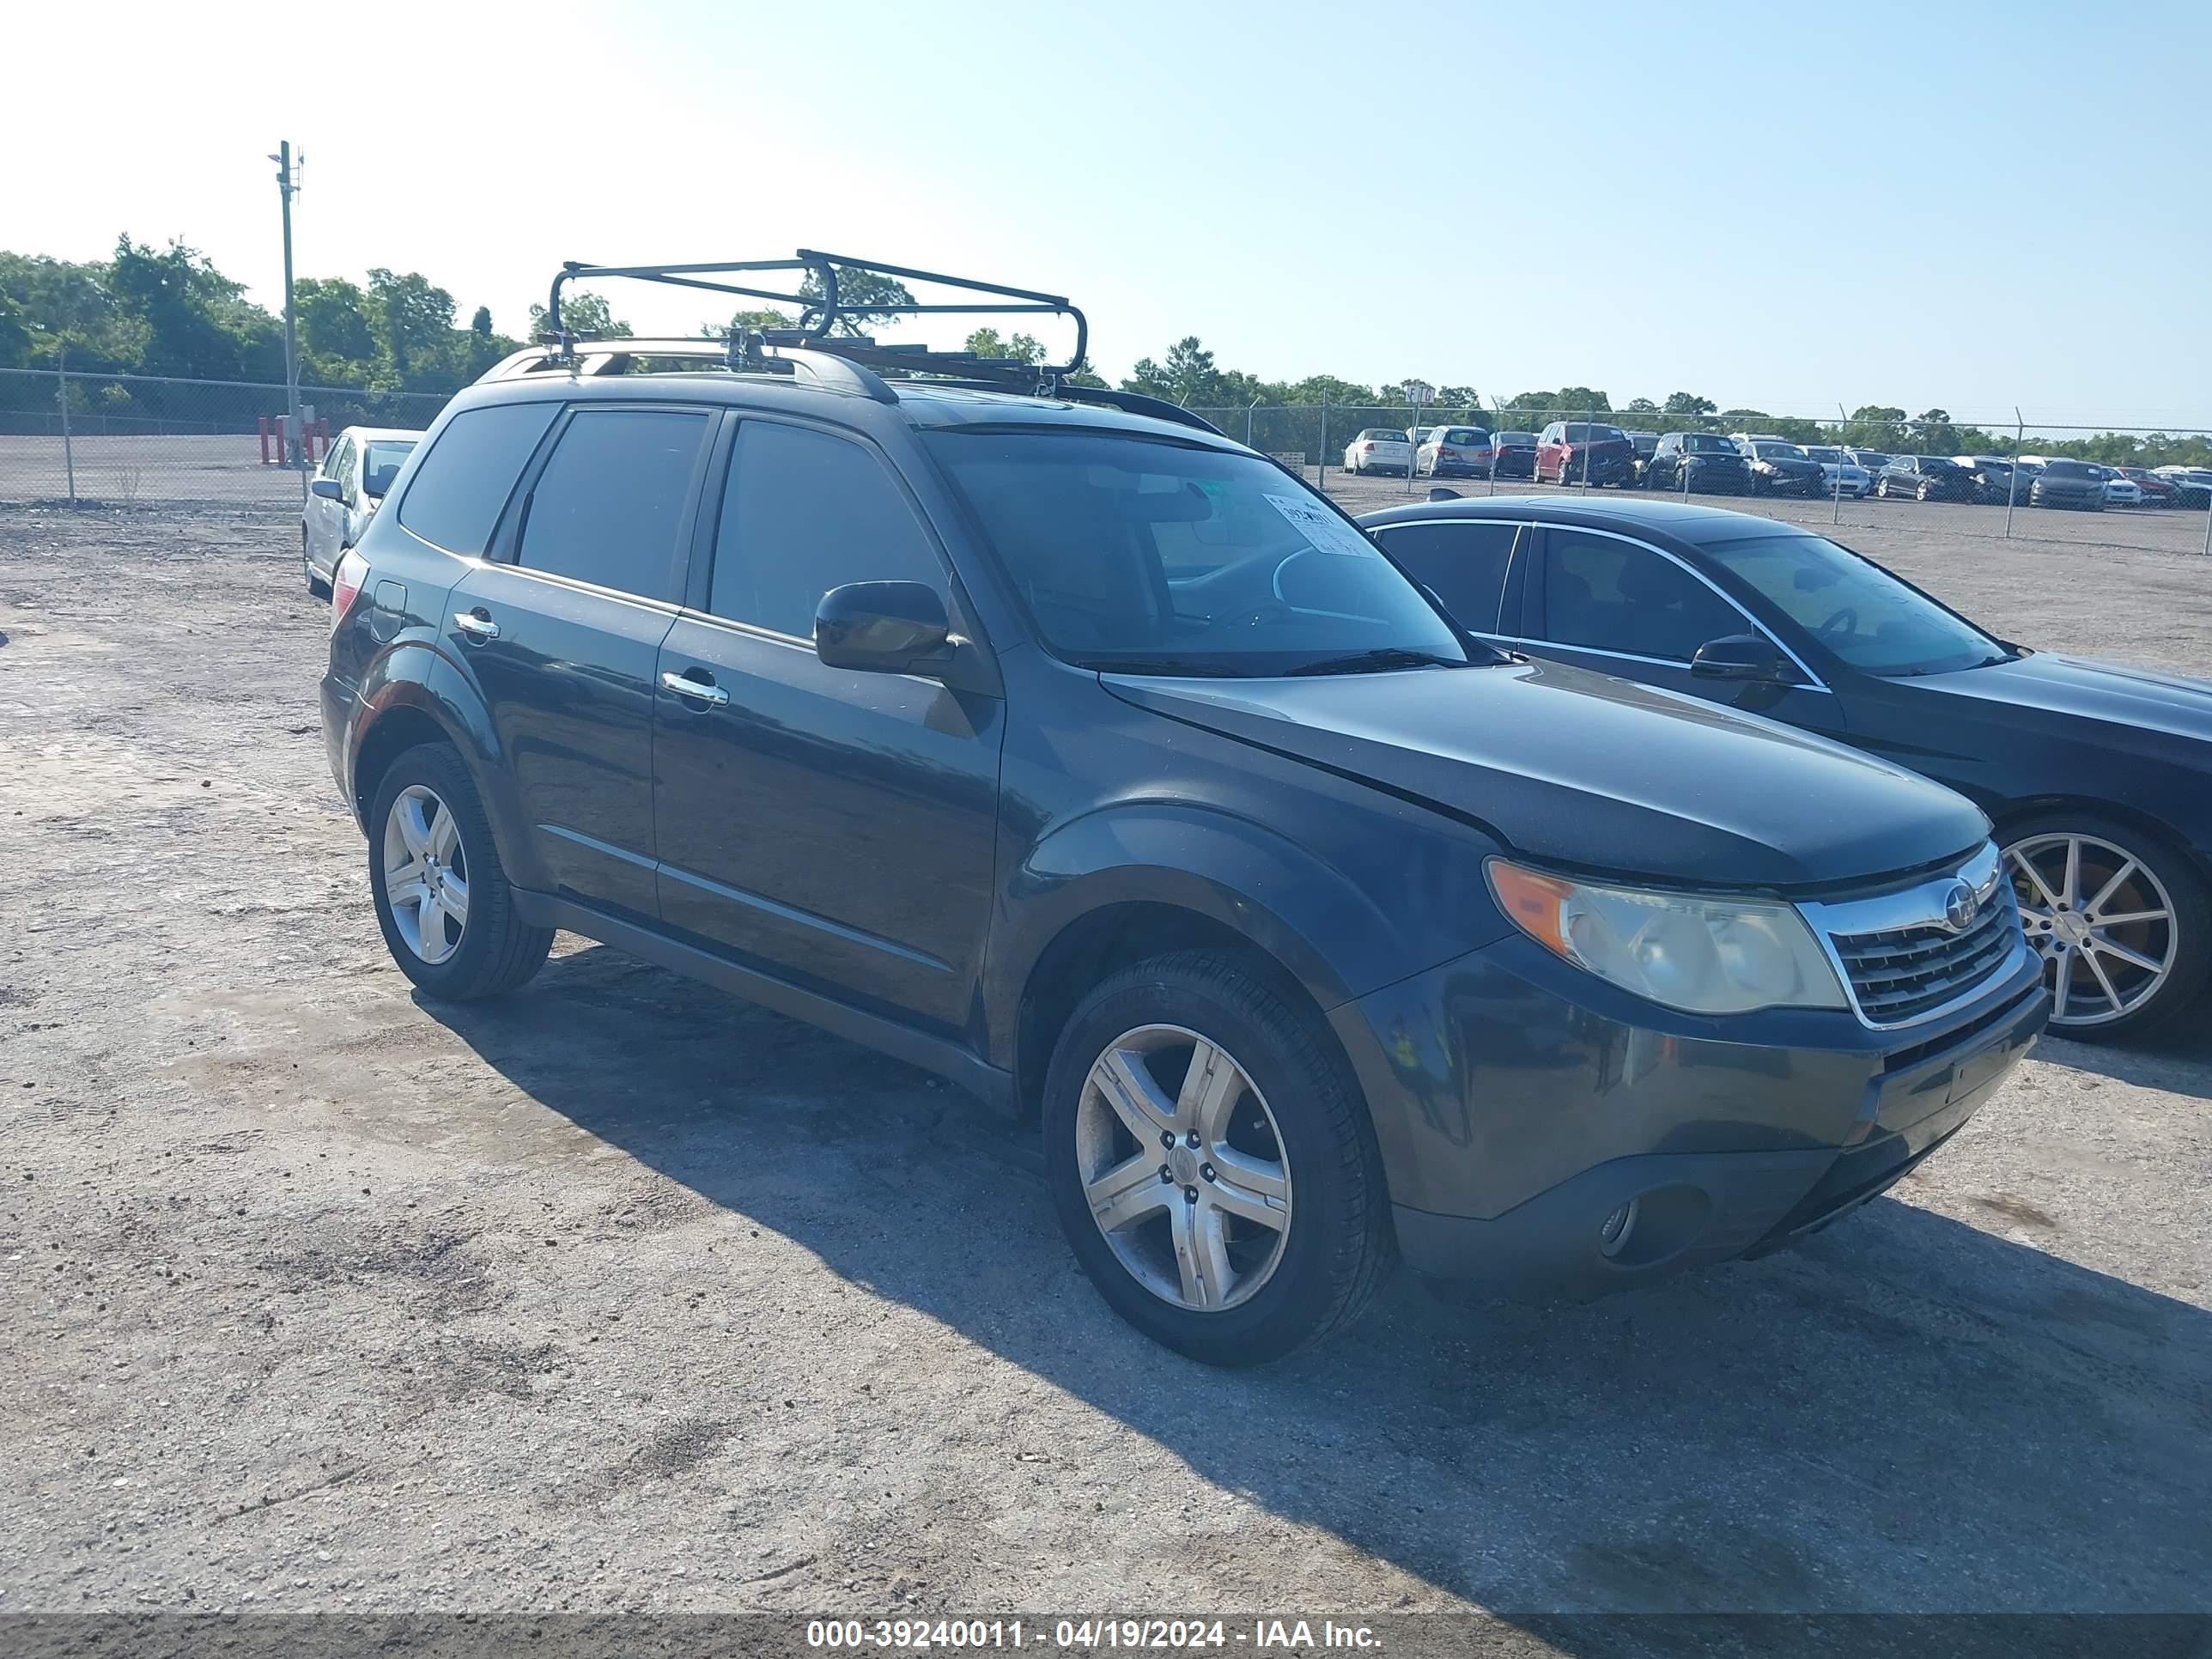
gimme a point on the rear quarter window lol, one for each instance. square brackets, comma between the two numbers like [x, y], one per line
[455, 497]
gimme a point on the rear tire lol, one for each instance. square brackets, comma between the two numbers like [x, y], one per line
[316, 587]
[1189, 1272]
[487, 949]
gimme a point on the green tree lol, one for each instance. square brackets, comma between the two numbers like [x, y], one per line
[1875, 426]
[1935, 435]
[337, 334]
[198, 322]
[1687, 405]
[859, 294]
[1022, 349]
[584, 313]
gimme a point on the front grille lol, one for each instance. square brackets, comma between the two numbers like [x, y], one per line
[1902, 973]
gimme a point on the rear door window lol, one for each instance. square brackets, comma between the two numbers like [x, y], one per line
[1609, 595]
[458, 492]
[606, 507]
[1464, 564]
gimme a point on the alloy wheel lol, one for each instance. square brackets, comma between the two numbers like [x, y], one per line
[2103, 921]
[426, 873]
[1183, 1168]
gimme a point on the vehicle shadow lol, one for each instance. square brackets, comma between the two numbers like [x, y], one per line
[2178, 1060]
[1906, 1414]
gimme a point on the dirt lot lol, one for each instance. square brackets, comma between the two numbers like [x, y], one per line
[621, 1295]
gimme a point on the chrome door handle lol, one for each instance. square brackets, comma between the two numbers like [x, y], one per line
[475, 627]
[711, 696]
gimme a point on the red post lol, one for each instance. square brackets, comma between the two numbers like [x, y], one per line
[265, 441]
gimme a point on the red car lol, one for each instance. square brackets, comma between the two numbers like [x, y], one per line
[2156, 491]
[1578, 452]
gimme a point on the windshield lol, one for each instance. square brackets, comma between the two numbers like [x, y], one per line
[2068, 469]
[1701, 443]
[1854, 608]
[380, 465]
[1870, 458]
[1465, 434]
[1517, 440]
[1380, 435]
[1821, 452]
[1770, 452]
[1138, 556]
[1578, 433]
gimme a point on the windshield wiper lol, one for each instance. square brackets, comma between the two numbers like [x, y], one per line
[1379, 661]
[1163, 665]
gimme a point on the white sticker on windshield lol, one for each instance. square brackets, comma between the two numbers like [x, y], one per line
[1322, 528]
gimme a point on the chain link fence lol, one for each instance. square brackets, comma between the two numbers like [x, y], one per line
[124, 440]
[129, 439]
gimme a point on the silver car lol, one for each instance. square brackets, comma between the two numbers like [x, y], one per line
[345, 491]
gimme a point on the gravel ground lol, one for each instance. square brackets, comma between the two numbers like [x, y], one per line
[623, 1295]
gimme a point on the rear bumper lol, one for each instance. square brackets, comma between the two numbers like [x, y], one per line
[1514, 1120]
[337, 701]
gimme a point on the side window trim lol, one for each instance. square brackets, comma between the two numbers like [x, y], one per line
[505, 546]
[699, 591]
[1532, 618]
[1516, 562]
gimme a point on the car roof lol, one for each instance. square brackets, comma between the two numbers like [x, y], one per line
[398, 435]
[1684, 521]
[919, 404]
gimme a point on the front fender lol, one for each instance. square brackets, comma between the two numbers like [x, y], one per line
[413, 674]
[1341, 932]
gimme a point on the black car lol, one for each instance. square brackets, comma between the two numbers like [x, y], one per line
[1054, 742]
[2079, 484]
[1646, 444]
[1781, 468]
[1925, 479]
[1702, 463]
[2098, 777]
[1513, 454]
[1992, 478]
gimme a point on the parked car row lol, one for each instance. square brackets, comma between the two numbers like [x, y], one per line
[1763, 464]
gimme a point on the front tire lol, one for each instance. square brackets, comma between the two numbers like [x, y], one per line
[1270, 1227]
[442, 898]
[2123, 923]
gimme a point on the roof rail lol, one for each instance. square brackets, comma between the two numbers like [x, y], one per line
[821, 311]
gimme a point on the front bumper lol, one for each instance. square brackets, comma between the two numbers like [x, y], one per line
[1518, 1104]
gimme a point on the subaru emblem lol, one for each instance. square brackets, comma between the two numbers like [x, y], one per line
[1958, 908]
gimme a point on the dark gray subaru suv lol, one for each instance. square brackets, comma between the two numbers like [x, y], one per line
[1086, 757]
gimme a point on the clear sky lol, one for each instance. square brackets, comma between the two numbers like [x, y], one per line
[1964, 205]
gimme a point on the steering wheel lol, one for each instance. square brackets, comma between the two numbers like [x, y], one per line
[1846, 621]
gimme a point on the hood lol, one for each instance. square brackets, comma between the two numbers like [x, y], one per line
[1600, 774]
[2133, 697]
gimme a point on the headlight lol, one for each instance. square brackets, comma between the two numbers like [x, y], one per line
[1703, 955]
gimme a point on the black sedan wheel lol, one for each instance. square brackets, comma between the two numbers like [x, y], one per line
[2121, 921]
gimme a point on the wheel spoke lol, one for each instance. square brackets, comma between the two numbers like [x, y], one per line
[1201, 1254]
[411, 871]
[2027, 867]
[2132, 915]
[1210, 1088]
[1128, 1088]
[414, 829]
[2110, 887]
[1129, 1192]
[444, 834]
[430, 926]
[2064, 985]
[413, 890]
[1248, 1188]
[454, 896]
[2112, 947]
[2072, 895]
[2104, 980]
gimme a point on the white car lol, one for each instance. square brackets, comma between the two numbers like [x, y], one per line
[2194, 484]
[345, 493]
[1378, 449]
[2122, 492]
[1857, 482]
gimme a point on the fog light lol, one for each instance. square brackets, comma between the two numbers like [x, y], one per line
[1613, 1235]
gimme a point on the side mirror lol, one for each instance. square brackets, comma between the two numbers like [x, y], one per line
[325, 489]
[1440, 494]
[1741, 657]
[882, 628]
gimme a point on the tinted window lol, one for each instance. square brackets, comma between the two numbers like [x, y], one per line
[605, 508]
[1853, 607]
[382, 465]
[1613, 596]
[2068, 470]
[806, 511]
[458, 491]
[1137, 556]
[1462, 564]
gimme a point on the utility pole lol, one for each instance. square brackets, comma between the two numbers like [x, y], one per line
[287, 187]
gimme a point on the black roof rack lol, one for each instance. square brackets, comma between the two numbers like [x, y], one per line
[819, 313]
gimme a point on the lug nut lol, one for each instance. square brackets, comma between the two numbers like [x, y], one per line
[1190, 1194]
[1194, 1140]
[1207, 1170]
[1167, 1178]
[1167, 1139]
